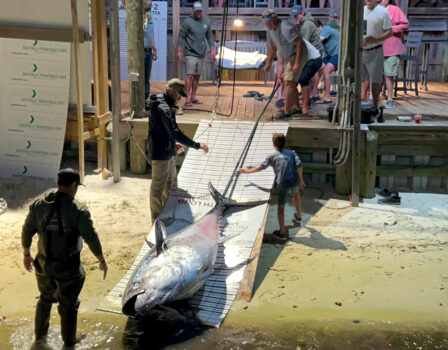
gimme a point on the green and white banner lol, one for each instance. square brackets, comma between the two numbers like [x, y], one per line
[34, 90]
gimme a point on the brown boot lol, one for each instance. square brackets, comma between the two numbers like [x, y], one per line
[306, 91]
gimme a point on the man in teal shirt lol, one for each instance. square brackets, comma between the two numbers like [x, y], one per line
[194, 35]
[330, 39]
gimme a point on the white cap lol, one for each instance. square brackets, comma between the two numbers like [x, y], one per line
[197, 6]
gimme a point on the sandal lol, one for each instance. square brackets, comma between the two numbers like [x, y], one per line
[196, 102]
[321, 102]
[188, 104]
[282, 236]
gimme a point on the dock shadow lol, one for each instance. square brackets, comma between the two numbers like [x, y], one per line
[317, 240]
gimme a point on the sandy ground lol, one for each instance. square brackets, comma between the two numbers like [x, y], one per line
[345, 271]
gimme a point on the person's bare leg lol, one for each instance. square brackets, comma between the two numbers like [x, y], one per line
[287, 3]
[389, 87]
[279, 4]
[281, 218]
[291, 97]
[321, 4]
[331, 3]
[376, 89]
[315, 82]
[303, 2]
[194, 87]
[365, 90]
[188, 87]
[329, 68]
[298, 205]
[306, 91]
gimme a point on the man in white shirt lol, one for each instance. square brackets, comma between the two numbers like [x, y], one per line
[379, 28]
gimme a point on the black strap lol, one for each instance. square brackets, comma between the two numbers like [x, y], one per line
[55, 207]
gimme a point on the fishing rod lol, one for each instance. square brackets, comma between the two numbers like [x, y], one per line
[248, 143]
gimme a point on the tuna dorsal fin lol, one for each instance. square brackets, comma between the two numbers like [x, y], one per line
[214, 192]
[160, 236]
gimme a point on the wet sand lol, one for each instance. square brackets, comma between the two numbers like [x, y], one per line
[370, 276]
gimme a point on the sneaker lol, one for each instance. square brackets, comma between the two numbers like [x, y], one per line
[297, 219]
[394, 199]
[281, 115]
[390, 104]
[367, 103]
[295, 112]
[280, 103]
[280, 236]
[333, 93]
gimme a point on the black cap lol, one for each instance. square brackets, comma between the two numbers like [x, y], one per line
[67, 176]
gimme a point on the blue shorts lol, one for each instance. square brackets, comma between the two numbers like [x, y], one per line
[286, 193]
[332, 59]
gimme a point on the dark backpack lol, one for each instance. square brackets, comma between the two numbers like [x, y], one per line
[290, 176]
[61, 248]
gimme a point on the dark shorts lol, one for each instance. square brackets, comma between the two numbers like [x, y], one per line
[332, 59]
[284, 194]
[309, 70]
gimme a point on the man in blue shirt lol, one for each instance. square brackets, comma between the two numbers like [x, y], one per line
[330, 39]
[148, 43]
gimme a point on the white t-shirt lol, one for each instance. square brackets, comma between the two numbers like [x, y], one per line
[378, 21]
[313, 53]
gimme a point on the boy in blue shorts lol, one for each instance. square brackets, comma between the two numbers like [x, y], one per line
[288, 177]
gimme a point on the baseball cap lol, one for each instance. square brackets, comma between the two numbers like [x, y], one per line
[333, 13]
[177, 85]
[268, 15]
[296, 9]
[197, 6]
[67, 176]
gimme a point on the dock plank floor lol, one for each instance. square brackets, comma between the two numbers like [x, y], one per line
[432, 103]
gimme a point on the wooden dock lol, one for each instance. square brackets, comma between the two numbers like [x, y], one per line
[432, 103]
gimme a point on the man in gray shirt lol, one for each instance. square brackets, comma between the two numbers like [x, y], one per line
[193, 35]
[279, 34]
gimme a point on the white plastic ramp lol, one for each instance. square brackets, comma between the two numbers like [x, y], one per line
[191, 200]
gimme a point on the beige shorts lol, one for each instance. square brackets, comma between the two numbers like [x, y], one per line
[289, 74]
[391, 65]
[194, 65]
[373, 65]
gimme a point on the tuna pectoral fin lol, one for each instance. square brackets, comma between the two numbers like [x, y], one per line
[160, 236]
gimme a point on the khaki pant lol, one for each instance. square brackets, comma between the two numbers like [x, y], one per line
[163, 178]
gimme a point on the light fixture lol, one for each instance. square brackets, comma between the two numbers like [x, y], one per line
[238, 23]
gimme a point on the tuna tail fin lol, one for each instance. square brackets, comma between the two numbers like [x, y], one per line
[160, 231]
[229, 203]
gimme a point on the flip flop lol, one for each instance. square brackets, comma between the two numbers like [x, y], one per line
[188, 104]
[321, 102]
[196, 102]
[3, 205]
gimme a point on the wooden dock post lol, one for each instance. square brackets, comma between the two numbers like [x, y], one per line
[136, 64]
[368, 165]
[79, 109]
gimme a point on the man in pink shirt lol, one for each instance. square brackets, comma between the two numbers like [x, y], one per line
[393, 47]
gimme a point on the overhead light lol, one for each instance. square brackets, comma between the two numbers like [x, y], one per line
[238, 23]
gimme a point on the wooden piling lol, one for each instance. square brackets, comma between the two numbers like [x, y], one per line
[368, 165]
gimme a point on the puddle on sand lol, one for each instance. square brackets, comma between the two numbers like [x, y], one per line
[112, 332]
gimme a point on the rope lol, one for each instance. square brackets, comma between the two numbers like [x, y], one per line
[248, 143]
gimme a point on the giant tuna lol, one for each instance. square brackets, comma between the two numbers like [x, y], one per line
[183, 263]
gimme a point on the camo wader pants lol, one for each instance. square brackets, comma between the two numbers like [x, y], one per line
[57, 289]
